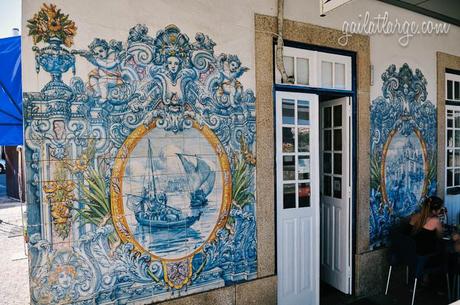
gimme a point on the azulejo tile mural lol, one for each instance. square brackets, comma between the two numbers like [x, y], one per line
[141, 174]
[403, 150]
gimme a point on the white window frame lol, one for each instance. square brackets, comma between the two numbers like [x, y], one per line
[315, 58]
[455, 78]
[455, 109]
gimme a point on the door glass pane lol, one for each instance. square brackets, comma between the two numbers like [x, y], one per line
[338, 116]
[302, 71]
[339, 76]
[457, 119]
[304, 167]
[457, 90]
[450, 140]
[450, 158]
[449, 177]
[304, 195]
[450, 123]
[288, 139]
[303, 113]
[288, 111]
[327, 140]
[457, 157]
[327, 163]
[326, 74]
[289, 66]
[304, 139]
[457, 137]
[289, 196]
[337, 164]
[449, 90]
[288, 167]
[327, 117]
[457, 177]
[337, 185]
[338, 139]
[327, 186]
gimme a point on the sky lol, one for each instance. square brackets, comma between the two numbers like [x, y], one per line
[10, 17]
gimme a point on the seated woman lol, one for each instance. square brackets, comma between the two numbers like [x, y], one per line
[425, 226]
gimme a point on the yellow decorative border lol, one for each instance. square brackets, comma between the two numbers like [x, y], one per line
[116, 186]
[384, 157]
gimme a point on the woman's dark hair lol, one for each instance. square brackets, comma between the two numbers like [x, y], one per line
[430, 204]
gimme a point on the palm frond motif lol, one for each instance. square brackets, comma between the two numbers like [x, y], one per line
[242, 181]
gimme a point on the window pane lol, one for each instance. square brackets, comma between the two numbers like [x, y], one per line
[449, 90]
[339, 76]
[327, 140]
[327, 186]
[453, 191]
[303, 113]
[304, 139]
[450, 158]
[326, 74]
[337, 185]
[289, 196]
[304, 195]
[450, 122]
[338, 116]
[457, 177]
[289, 66]
[457, 119]
[327, 163]
[457, 90]
[288, 139]
[337, 164]
[302, 71]
[449, 177]
[327, 117]
[450, 138]
[304, 167]
[338, 139]
[289, 167]
[457, 138]
[288, 111]
[457, 157]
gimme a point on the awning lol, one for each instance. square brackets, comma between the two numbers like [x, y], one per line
[10, 92]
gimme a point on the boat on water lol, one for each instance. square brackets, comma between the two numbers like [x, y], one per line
[151, 207]
[200, 177]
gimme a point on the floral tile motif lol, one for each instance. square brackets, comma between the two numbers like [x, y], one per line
[141, 173]
[403, 150]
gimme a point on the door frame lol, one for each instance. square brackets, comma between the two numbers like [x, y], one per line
[353, 134]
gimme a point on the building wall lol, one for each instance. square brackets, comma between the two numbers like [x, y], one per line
[233, 28]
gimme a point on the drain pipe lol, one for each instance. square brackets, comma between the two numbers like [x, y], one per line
[279, 46]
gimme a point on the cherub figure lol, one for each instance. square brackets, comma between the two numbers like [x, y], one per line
[230, 70]
[107, 75]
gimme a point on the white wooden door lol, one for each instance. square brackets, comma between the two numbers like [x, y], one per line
[336, 194]
[297, 203]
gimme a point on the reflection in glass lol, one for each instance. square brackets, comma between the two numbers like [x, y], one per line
[327, 163]
[338, 139]
[450, 158]
[302, 71]
[303, 113]
[457, 119]
[450, 138]
[288, 167]
[457, 137]
[304, 167]
[304, 139]
[289, 66]
[337, 164]
[327, 117]
[327, 186]
[289, 196]
[339, 76]
[457, 157]
[288, 139]
[304, 195]
[327, 140]
[326, 74]
[288, 111]
[457, 177]
[338, 116]
[337, 185]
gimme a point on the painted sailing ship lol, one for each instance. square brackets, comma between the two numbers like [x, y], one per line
[200, 178]
[151, 207]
